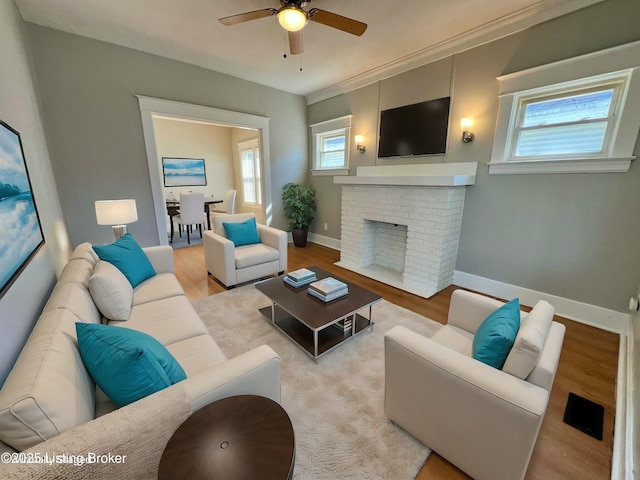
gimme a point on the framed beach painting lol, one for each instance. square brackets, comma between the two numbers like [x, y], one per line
[183, 172]
[20, 230]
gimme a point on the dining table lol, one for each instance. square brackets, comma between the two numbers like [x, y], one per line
[173, 209]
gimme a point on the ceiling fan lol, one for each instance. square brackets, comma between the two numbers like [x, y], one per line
[293, 18]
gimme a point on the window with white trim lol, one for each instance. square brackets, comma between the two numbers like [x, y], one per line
[250, 168]
[330, 141]
[576, 125]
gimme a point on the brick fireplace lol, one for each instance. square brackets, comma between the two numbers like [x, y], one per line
[404, 235]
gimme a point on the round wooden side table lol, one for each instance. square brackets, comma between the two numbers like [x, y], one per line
[242, 437]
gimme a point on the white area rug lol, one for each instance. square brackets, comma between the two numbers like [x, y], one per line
[336, 406]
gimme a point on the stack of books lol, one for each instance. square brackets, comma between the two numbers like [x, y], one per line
[344, 325]
[300, 278]
[328, 289]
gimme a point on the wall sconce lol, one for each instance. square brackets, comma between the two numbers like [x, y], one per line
[466, 123]
[116, 213]
[359, 146]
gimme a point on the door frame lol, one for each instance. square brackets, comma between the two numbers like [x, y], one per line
[150, 107]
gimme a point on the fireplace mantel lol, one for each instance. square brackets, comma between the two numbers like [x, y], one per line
[436, 175]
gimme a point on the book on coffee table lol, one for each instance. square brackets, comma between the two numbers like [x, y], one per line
[328, 286]
[331, 296]
[344, 325]
[299, 278]
[301, 274]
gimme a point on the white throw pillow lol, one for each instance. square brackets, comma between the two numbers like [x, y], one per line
[111, 291]
[530, 341]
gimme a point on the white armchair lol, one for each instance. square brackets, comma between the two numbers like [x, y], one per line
[232, 265]
[483, 420]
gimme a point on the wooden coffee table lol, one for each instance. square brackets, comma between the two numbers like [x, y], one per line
[236, 438]
[308, 320]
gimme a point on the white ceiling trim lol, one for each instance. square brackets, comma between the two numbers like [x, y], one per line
[518, 21]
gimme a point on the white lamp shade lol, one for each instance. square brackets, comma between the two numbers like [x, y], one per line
[292, 18]
[116, 212]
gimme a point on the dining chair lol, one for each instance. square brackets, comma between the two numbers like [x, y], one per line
[229, 204]
[191, 213]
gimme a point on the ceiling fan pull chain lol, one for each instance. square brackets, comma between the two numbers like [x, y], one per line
[300, 62]
[284, 44]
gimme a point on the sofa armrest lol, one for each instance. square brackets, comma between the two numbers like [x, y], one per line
[135, 436]
[219, 257]
[277, 239]
[256, 372]
[161, 257]
[467, 309]
[481, 419]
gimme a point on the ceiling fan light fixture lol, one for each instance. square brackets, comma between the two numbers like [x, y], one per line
[292, 18]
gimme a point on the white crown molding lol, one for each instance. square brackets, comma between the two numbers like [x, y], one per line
[517, 21]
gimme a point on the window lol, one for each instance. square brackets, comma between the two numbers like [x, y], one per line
[573, 123]
[250, 166]
[576, 125]
[331, 146]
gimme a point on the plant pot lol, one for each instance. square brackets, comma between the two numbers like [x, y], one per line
[300, 236]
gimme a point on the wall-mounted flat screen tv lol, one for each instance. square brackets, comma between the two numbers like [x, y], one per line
[418, 129]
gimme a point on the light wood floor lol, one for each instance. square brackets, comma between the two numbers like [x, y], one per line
[588, 367]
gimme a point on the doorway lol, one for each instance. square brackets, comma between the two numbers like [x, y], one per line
[153, 108]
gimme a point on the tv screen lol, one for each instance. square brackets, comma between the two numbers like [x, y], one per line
[418, 129]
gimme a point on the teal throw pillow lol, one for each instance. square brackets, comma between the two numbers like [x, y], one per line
[242, 233]
[126, 364]
[127, 256]
[496, 334]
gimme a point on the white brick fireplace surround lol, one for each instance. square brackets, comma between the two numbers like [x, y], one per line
[401, 224]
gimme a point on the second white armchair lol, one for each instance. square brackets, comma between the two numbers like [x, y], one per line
[482, 419]
[231, 264]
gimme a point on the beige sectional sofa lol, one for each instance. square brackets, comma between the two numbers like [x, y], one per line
[49, 402]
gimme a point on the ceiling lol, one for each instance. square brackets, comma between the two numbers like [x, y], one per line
[400, 36]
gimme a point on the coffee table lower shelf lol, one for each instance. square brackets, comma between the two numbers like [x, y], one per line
[329, 336]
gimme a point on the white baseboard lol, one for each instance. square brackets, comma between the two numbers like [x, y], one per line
[325, 241]
[593, 315]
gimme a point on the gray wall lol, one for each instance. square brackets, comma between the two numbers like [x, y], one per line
[95, 134]
[571, 235]
[23, 301]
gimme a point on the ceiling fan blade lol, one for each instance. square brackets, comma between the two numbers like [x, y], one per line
[334, 20]
[295, 43]
[246, 16]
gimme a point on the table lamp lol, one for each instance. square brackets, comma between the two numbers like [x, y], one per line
[116, 213]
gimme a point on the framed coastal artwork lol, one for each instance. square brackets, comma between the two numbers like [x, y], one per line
[183, 172]
[20, 230]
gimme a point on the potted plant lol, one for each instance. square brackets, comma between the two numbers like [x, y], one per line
[299, 208]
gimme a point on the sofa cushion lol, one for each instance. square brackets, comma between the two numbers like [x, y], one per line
[128, 257]
[76, 298]
[530, 341]
[85, 251]
[127, 365]
[242, 233]
[495, 335]
[454, 338]
[111, 291]
[197, 354]
[168, 320]
[162, 285]
[250, 255]
[48, 391]
[77, 270]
